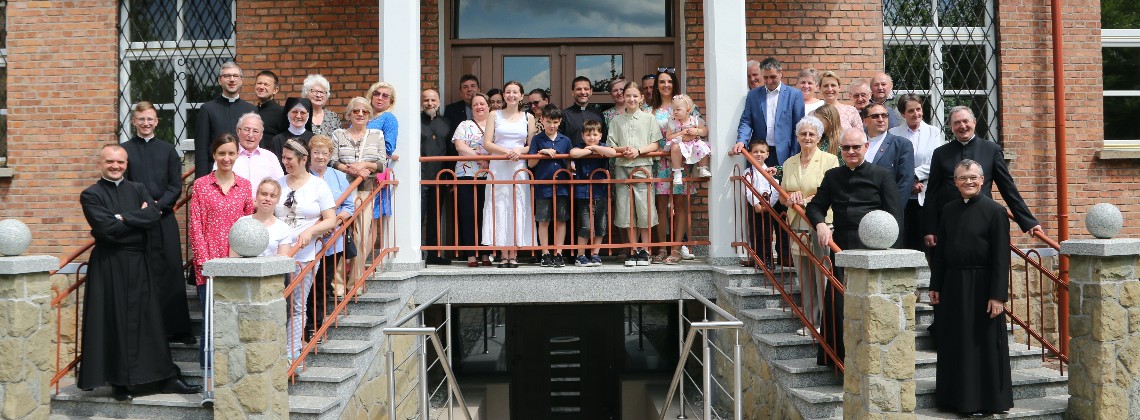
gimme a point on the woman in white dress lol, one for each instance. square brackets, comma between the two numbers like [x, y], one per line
[508, 219]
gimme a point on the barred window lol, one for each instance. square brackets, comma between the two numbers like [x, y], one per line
[1120, 50]
[3, 83]
[946, 52]
[170, 54]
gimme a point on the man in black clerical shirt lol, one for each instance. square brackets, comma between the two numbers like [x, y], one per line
[851, 191]
[124, 343]
[574, 116]
[941, 189]
[156, 166]
[435, 141]
[969, 278]
[219, 116]
[267, 107]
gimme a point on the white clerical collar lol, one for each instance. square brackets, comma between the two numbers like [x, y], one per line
[147, 139]
[233, 99]
[296, 131]
[116, 182]
[967, 141]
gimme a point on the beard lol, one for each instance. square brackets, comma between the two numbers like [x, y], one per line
[432, 112]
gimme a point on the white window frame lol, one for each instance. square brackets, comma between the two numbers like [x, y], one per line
[175, 51]
[1120, 38]
[937, 37]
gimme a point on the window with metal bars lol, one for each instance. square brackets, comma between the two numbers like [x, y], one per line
[946, 52]
[3, 83]
[170, 53]
[1120, 51]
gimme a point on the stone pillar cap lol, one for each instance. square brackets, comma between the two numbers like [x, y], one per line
[1101, 247]
[249, 267]
[873, 259]
[28, 264]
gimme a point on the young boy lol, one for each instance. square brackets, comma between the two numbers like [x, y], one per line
[761, 225]
[551, 202]
[632, 134]
[590, 199]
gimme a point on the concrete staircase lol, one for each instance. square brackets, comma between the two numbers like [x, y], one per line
[817, 392]
[331, 376]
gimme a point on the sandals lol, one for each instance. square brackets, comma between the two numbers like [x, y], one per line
[674, 258]
[659, 258]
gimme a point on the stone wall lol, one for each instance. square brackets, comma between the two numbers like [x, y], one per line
[762, 396]
[25, 341]
[370, 401]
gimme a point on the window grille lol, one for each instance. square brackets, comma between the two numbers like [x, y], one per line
[169, 54]
[3, 83]
[946, 52]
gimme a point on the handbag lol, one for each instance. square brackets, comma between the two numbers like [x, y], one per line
[350, 242]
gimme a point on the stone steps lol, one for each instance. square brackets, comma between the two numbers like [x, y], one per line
[72, 401]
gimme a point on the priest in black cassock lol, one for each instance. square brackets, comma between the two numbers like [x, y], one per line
[850, 191]
[124, 343]
[156, 166]
[968, 287]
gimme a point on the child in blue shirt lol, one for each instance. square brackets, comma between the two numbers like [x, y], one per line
[590, 199]
[551, 202]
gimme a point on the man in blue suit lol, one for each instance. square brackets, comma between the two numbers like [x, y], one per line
[891, 152]
[770, 113]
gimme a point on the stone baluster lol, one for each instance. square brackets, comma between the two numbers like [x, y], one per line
[26, 326]
[1104, 320]
[878, 323]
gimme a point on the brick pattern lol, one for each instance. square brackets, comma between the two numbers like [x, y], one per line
[62, 58]
[294, 38]
[430, 33]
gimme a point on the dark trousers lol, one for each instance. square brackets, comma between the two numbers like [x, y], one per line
[321, 292]
[912, 226]
[469, 207]
[762, 235]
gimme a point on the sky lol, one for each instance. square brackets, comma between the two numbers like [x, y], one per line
[560, 18]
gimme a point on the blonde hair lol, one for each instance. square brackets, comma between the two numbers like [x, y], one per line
[829, 116]
[272, 182]
[358, 101]
[381, 85]
[320, 140]
[686, 100]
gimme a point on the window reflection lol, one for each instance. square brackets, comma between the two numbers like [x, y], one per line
[480, 337]
[600, 69]
[561, 19]
[532, 71]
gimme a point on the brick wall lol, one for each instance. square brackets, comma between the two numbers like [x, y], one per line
[1028, 119]
[295, 38]
[63, 84]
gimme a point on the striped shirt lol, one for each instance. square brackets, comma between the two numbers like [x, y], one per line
[369, 149]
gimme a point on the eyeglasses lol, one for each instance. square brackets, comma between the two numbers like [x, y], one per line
[318, 92]
[229, 76]
[969, 178]
[289, 200]
[298, 112]
[384, 95]
[670, 70]
[146, 120]
[534, 103]
[359, 112]
[881, 116]
[249, 130]
[851, 148]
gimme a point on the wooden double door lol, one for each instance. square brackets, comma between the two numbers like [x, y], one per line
[554, 66]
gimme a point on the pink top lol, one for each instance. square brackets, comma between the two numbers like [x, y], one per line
[848, 116]
[212, 213]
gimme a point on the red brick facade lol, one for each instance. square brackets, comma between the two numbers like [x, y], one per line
[63, 86]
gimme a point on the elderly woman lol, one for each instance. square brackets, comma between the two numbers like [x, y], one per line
[297, 112]
[331, 272]
[662, 109]
[808, 83]
[359, 152]
[829, 86]
[803, 172]
[309, 209]
[383, 99]
[468, 139]
[316, 89]
[220, 198]
[832, 128]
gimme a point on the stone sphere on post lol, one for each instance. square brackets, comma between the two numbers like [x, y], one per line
[14, 237]
[878, 230]
[248, 237]
[1104, 221]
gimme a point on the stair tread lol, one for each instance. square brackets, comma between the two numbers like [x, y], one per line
[834, 393]
[344, 346]
[1021, 408]
[363, 321]
[103, 394]
[378, 297]
[922, 357]
[307, 404]
[325, 374]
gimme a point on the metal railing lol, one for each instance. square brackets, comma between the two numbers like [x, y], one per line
[1035, 304]
[74, 293]
[600, 178]
[709, 388]
[423, 334]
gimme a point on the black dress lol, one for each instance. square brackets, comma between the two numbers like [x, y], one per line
[123, 338]
[971, 266]
[155, 164]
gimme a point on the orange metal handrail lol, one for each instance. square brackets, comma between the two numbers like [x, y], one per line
[60, 296]
[1060, 282]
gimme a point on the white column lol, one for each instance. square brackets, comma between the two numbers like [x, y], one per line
[725, 88]
[400, 66]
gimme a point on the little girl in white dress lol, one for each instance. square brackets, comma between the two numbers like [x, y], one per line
[686, 140]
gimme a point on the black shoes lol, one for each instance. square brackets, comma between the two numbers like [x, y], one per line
[176, 385]
[546, 261]
[438, 260]
[121, 393]
[558, 260]
[187, 339]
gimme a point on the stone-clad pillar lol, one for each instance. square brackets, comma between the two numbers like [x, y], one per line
[249, 336]
[1104, 326]
[878, 323]
[26, 327]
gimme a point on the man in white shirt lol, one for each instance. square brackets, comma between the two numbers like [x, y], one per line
[924, 138]
[254, 163]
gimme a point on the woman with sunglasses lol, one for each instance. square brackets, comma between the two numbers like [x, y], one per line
[664, 89]
[383, 96]
[220, 198]
[359, 151]
[309, 209]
